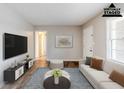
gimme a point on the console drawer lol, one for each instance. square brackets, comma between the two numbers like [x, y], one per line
[19, 72]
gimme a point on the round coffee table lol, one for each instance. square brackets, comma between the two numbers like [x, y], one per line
[64, 81]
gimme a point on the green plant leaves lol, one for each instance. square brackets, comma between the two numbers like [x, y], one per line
[57, 73]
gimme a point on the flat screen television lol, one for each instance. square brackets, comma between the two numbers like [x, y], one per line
[14, 45]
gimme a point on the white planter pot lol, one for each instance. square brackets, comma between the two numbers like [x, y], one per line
[56, 80]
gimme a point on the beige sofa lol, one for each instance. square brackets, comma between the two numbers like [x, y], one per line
[100, 79]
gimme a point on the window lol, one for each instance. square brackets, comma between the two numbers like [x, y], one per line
[116, 40]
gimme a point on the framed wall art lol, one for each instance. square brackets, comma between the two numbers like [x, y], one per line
[64, 41]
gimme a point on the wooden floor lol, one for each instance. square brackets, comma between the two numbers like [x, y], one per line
[41, 62]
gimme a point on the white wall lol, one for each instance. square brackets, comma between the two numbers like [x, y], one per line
[100, 29]
[63, 53]
[10, 22]
[99, 24]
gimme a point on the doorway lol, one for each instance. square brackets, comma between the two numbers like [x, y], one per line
[40, 44]
[40, 49]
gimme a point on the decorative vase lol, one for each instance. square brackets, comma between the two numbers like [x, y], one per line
[56, 80]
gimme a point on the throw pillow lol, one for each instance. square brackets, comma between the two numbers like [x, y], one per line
[96, 64]
[88, 60]
[117, 77]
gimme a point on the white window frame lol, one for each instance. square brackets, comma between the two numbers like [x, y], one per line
[110, 27]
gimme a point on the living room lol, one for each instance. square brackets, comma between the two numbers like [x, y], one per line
[70, 38]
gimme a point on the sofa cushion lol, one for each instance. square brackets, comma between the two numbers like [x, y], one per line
[110, 85]
[99, 76]
[88, 60]
[96, 74]
[117, 77]
[109, 66]
[86, 67]
[96, 64]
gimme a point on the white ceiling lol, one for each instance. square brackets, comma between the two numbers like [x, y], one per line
[58, 14]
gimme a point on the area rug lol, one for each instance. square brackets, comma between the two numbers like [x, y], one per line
[78, 81]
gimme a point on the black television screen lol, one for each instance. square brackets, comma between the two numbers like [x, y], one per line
[14, 45]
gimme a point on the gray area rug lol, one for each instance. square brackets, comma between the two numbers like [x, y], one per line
[78, 81]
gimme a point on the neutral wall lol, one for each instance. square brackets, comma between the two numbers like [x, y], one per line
[100, 29]
[63, 53]
[10, 22]
[99, 24]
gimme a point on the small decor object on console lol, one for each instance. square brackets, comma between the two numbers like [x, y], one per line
[56, 73]
[12, 65]
[27, 57]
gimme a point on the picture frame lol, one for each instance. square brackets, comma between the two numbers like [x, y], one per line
[64, 41]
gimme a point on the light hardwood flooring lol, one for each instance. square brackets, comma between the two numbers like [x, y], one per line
[40, 63]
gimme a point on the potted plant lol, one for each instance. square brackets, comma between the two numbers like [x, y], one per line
[56, 74]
